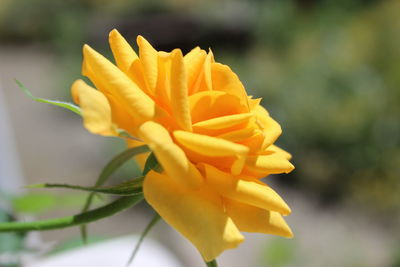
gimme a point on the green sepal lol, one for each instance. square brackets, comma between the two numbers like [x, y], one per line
[112, 166]
[105, 174]
[118, 161]
[62, 104]
[124, 134]
[151, 164]
[126, 188]
[156, 218]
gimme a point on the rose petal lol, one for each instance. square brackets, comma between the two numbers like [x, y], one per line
[222, 124]
[179, 92]
[149, 59]
[123, 53]
[196, 214]
[96, 111]
[279, 151]
[213, 104]
[262, 165]
[170, 156]
[251, 193]
[271, 129]
[253, 219]
[213, 147]
[224, 79]
[203, 81]
[116, 83]
[238, 135]
[254, 143]
[194, 61]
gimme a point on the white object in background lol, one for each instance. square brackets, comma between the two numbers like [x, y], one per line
[114, 253]
[10, 173]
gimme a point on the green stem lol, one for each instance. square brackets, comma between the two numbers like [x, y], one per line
[212, 263]
[107, 171]
[82, 218]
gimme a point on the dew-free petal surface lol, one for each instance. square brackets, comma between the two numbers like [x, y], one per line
[196, 214]
[170, 156]
[249, 192]
[96, 111]
[256, 220]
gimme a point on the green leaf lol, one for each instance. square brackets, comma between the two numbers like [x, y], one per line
[62, 104]
[82, 218]
[151, 224]
[151, 164]
[107, 171]
[118, 161]
[127, 188]
[123, 133]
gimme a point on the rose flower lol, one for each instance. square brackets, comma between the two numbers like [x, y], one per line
[213, 141]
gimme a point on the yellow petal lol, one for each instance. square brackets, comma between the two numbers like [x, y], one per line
[254, 143]
[118, 84]
[179, 92]
[262, 165]
[238, 135]
[207, 105]
[96, 111]
[203, 81]
[271, 132]
[251, 193]
[170, 156]
[122, 51]
[213, 147]
[196, 214]
[207, 70]
[120, 113]
[278, 151]
[271, 129]
[149, 59]
[136, 74]
[253, 102]
[224, 79]
[192, 55]
[162, 93]
[194, 60]
[252, 219]
[222, 124]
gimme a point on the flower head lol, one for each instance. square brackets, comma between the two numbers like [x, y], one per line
[213, 141]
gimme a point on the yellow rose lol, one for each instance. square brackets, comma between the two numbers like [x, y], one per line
[213, 141]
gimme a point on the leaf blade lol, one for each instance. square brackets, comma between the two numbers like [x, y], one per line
[58, 103]
[107, 171]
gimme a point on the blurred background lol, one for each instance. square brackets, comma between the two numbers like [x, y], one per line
[328, 71]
